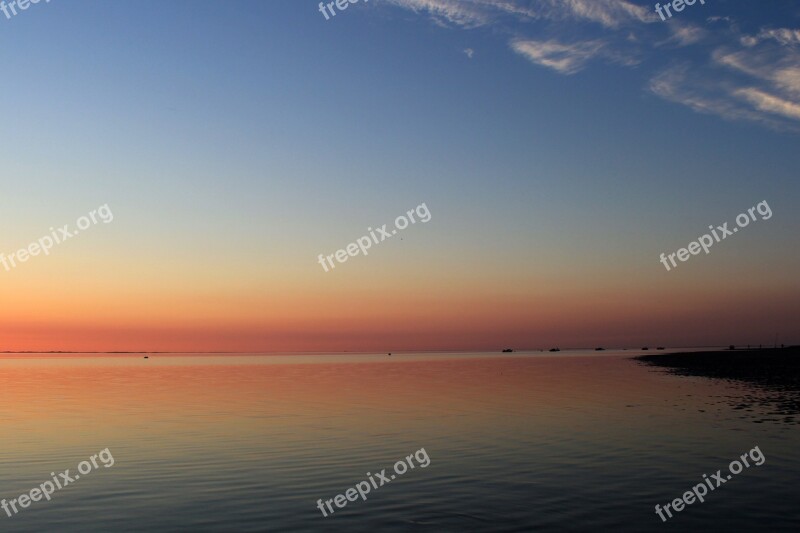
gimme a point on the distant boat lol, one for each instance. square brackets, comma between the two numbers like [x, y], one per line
[660, 348]
[555, 350]
[147, 357]
[599, 349]
[508, 350]
[645, 348]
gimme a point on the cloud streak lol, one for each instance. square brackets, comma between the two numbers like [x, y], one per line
[563, 58]
[735, 75]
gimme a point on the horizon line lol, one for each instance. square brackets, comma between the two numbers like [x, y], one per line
[751, 346]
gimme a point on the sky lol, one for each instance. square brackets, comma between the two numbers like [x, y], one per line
[560, 146]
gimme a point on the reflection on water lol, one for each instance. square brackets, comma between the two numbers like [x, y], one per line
[250, 443]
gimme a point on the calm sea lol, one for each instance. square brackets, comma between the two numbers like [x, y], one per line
[576, 441]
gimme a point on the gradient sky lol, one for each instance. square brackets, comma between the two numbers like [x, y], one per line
[560, 145]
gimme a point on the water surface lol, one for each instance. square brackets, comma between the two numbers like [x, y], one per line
[518, 442]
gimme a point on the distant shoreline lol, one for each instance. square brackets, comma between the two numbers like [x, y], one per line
[775, 368]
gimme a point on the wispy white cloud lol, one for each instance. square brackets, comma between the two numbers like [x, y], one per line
[770, 103]
[474, 13]
[778, 68]
[737, 76]
[519, 10]
[680, 85]
[469, 14]
[561, 57]
[748, 40]
[719, 19]
[470, 52]
[759, 82]
[788, 79]
[684, 35]
[784, 36]
[609, 13]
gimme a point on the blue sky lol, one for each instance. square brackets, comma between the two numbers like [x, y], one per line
[579, 136]
[274, 86]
